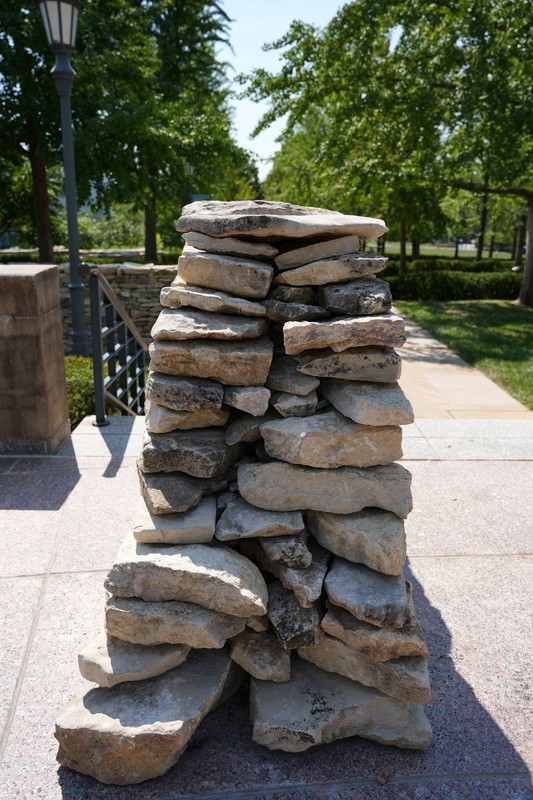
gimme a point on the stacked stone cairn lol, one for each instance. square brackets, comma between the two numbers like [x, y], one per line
[270, 536]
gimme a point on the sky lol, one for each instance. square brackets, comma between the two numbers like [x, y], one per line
[257, 22]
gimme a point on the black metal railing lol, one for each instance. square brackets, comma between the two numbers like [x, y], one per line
[119, 350]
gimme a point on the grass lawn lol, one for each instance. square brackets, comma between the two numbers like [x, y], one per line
[496, 336]
[393, 249]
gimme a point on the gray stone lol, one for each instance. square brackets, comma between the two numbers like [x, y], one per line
[181, 294]
[293, 294]
[294, 405]
[328, 440]
[240, 276]
[278, 311]
[367, 403]
[262, 656]
[224, 499]
[364, 296]
[289, 551]
[245, 428]
[370, 596]
[190, 527]
[184, 394]
[288, 259]
[288, 487]
[378, 644]
[108, 661]
[316, 707]
[337, 269]
[344, 333]
[284, 376]
[173, 493]
[371, 537]
[403, 678]
[243, 363]
[270, 219]
[136, 731]
[171, 621]
[229, 245]
[200, 453]
[250, 399]
[177, 324]
[160, 419]
[378, 364]
[240, 520]
[293, 625]
[213, 577]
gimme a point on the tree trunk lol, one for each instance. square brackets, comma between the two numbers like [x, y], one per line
[521, 239]
[403, 249]
[41, 203]
[515, 242]
[483, 220]
[456, 254]
[526, 290]
[150, 231]
[491, 246]
[383, 242]
[415, 248]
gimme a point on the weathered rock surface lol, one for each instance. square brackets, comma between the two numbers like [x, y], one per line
[250, 399]
[213, 577]
[370, 596]
[108, 661]
[332, 270]
[172, 621]
[371, 537]
[379, 644]
[230, 246]
[293, 625]
[184, 394]
[173, 493]
[136, 731]
[177, 324]
[200, 453]
[258, 624]
[270, 219]
[262, 656]
[328, 440]
[367, 403]
[241, 520]
[246, 428]
[190, 527]
[299, 255]
[278, 311]
[288, 487]
[294, 405]
[235, 363]
[289, 551]
[293, 294]
[181, 294]
[344, 333]
[364, 296]
[285, 377]
[377, 364]
[160, 419]
[240, 276]
[404, 678]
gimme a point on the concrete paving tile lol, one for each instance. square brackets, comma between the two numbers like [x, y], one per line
[411, 431]
[27, 541]
[6, 464]
[465, 508]
[126, 425]
[476, 428]
[33, 464]
[46, 490]
[418, 449]
[463, 449]
[95, 445]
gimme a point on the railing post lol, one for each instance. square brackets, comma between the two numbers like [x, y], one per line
[96, 344]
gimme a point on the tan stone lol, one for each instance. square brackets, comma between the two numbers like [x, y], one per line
[182, 294]
[294, 625]
[258, 624]
[231, 246]
[262, 656]
[136, 731]
[200, 453]
[285, 377]
[194, 526]
[344, 333]
[299, 255]
[371, 537]
[367, 403]
[160, 419]
[294, 405]
[332, 270]
[245, 428]
[237, 275]
[250, 399]
[184, 393]
[241, 520]
[173, 493]
[378, 364]
[177, 324]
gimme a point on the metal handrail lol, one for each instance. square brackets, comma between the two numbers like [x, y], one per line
[116, 344]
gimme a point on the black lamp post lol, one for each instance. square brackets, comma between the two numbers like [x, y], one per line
[60, 21]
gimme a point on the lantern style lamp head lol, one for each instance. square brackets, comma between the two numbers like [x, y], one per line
[60, 19]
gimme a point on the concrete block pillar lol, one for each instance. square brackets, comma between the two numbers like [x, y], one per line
[34, 416]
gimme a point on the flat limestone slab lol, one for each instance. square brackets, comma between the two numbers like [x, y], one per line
[332, 270]
[244, 363]
[289, 487]
[367, 403]
[284, 376]
[213, 577]
[240, 520]
[371, 537]
[329, 440]
[379, 644]
[294, 405]
[298, 256]
[403, 678]
[136, 731]
[173, 493]
[160, 419]
[363, 296]
[240, 276]
[250, 399]
[262, 656]
[178, 324]
[370, 596]
[270, 219]
[294, 625]
[108, 661]
[344, 333]
[183, 295]
[190, 527]
[184, 393]
[316, 707]
[377, 364]
[171, 621]
[289, 551]
[200, 453]
[293, 294]
[230, 246]
[278, 311]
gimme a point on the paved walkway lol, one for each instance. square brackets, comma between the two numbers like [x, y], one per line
[470, 549]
